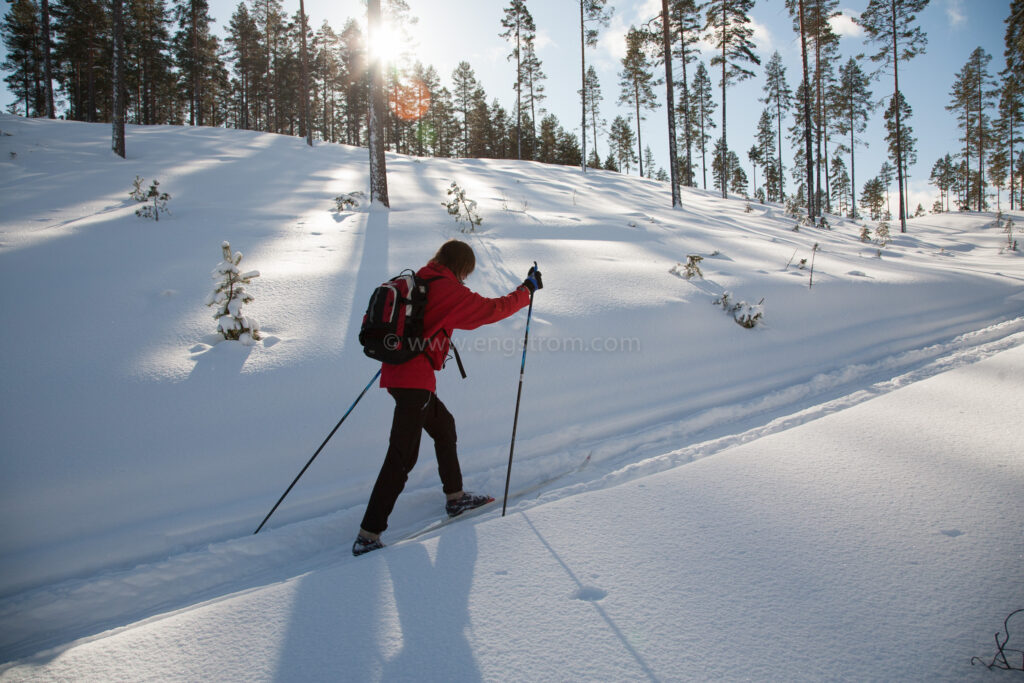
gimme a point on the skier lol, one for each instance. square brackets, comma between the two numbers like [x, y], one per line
[450, 306]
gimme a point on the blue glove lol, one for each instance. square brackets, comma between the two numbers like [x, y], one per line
[533, 280]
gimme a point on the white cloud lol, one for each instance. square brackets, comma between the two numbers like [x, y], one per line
[955, 12]
[762, 38]
[844, 26]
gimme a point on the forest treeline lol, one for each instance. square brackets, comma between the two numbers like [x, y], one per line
[271, 71]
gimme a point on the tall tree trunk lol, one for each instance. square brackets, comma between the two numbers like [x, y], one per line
[853, 172]
[47, 67]
[639, 141]
[899, 132]
[808, 145]
[519, 97]
[725, 145]
[117, 142]
[378, 169]
[686, 106]
[583, 92]
[305, 75]
[670, 105]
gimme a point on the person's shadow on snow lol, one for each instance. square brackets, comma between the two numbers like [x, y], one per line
[432, 600]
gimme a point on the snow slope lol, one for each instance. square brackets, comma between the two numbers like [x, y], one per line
[138, 455]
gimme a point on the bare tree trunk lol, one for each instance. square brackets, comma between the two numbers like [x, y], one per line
[47, 68]
[808, 145]
[899, 131]
[583, 92]
[305, 75]
[378, 169]
[671, 105]
[118, 94]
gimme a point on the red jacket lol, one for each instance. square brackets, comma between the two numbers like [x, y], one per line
[450, 306]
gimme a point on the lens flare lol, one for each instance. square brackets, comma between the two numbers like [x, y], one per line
[409, 100]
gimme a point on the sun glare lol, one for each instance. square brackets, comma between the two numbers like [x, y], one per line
[387, 44]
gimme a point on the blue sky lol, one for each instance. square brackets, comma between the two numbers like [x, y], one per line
[450, 31]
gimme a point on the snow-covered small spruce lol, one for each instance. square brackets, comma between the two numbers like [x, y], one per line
[350, 201]
[690, 270]
[156, 201]
[1011, 244]
[229, 295]
[745, 314]
[461, 208]
[882, 233]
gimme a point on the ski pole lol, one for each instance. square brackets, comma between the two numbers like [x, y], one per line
[519, 395]
[296, 480]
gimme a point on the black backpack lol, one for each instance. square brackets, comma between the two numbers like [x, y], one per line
[392, 329]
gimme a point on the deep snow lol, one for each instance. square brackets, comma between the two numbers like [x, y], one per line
[880, 541]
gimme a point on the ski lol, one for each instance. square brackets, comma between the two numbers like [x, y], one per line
[525, 491]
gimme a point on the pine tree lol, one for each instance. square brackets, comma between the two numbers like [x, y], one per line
[1014, 40]
[519, 26]
[621, 141]
[84, 30]
[594, 12]
[636, 82]
[465, 88]
[151, 83]
[971, 95]
[852, 105]
[890, 25]
[805, 99]
[840, 184]
[803, 156]
[811, 20]
[592, 107]
[1008, 130]
[885, 174]
[872, 197]
[22, 36]
[196, 54]
[686, 22]
[534, 77]
[779, 97]
[943, 176]
[909, 156]
[703, 106]
[730, 32]
[767, 157]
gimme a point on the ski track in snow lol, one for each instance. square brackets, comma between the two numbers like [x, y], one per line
[50, 617]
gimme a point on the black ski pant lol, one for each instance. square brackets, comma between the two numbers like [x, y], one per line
[416, 411]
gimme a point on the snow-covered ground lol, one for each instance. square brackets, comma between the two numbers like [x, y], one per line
[836, 493]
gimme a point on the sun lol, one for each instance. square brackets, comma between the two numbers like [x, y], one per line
[387, 44]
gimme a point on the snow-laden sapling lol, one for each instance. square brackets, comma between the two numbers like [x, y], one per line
[745, 314]
[350, 201]
[229, 295]
[461, 208]
[690, 270]
[882, 233]
[865, 233]
[1011, 244]
[153, 194]
[693, 266]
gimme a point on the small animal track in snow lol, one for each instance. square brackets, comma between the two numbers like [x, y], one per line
[590, 594]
